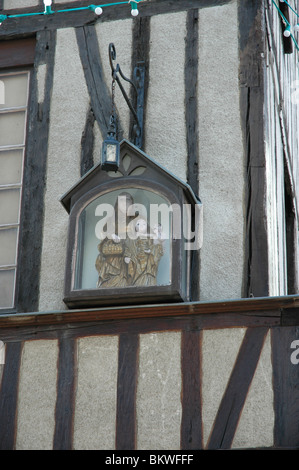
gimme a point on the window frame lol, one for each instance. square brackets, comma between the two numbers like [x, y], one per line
[17, 56]
[12, 186]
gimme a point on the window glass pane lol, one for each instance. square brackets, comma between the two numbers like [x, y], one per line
[7, 284]
[100, 262]
[11, 167]
[14, 88]
[12, 128]
[8, 245]
[9, 206]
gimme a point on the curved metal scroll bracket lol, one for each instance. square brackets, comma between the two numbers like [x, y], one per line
[138, 87]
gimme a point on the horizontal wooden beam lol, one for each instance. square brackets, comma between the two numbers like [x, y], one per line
[17, 53]
[27, 25]
[241, 312]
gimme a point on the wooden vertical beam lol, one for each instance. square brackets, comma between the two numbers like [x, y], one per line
[64, 413]
[251, 46]
[126, 391]
[191, 427]
[9, 395]
[191, 113]
[140, 53]
[34, 178]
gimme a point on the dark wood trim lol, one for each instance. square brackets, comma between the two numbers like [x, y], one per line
[17, 53]
[233, 400]
[87, 144]
[290, 317]
[114, 326]
[140, 53]
[191, 426]
[34, 179]
[126, 392]
[191, 96]
[9, 395]
[100, 100]
[64, 412]
[23, 26]
[286, 388]
[256, 278]
[191, 114]
[292, 249]
[239, 313]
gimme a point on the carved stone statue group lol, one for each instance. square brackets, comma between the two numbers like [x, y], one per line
[126, 258]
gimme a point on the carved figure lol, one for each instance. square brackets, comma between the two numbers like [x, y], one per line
[142, 256]
[130, 255]
[110, 264]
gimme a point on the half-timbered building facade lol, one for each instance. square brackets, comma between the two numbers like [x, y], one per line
[217, 365]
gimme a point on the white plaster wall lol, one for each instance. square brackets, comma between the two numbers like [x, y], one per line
[165, 133]
[158, 401]
[37, 395]
[95, 405]
[221, 166]
[219, 352]
[11, 4]
[69, 106]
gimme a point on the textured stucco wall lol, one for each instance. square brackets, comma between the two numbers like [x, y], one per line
[11, 4]
[221, 164]
[159, 391]
[165, 119]
[96, 393]
[37, 395]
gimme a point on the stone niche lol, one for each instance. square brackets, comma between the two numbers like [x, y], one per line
[132, 233]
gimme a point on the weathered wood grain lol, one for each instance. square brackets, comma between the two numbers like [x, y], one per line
[65, 406]
[191, 427]
[34, 178]
[9, 396]
[126, 392]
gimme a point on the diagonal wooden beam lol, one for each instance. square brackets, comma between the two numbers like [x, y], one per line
[92, 66]
[232, 403]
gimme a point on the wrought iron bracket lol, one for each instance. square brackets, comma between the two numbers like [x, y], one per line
[138, 87]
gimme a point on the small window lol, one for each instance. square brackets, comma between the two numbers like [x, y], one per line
[13, 118]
